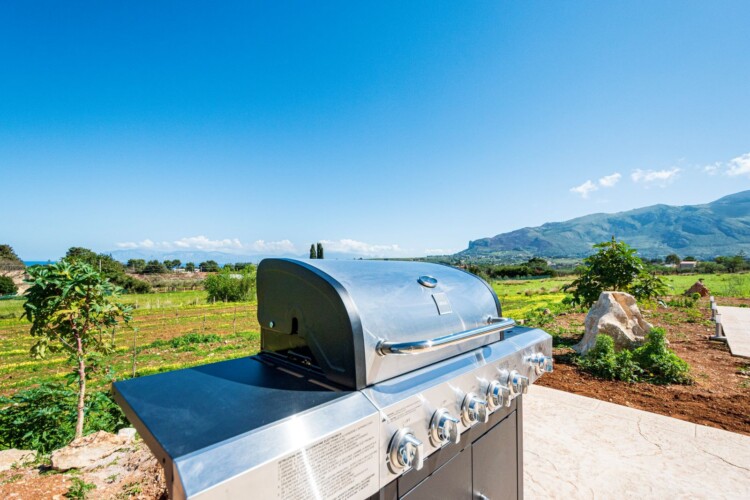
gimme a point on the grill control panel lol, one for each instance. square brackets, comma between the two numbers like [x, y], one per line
[451, 397]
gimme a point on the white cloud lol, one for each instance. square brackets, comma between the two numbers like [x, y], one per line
[584, 189]
[712, 169]
[283, 246]
[739, 165]
[202, 243]
[655, 177]
[610, 180]
[360, 248]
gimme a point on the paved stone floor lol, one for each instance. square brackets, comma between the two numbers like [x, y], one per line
[736, 324]
[578, 447]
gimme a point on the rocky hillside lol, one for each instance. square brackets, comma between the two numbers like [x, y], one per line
[704, 231]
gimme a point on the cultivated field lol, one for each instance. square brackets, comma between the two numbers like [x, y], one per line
[179, 329]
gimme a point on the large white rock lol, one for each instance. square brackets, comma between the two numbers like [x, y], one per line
[15, 458]
[615, 314]
[88, 451]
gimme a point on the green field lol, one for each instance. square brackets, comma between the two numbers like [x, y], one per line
[231, 330]
[214, 332]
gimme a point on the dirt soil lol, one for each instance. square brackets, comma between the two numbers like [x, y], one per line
[719, 397]
[132, 472]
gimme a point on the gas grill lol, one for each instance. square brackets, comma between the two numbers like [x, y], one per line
[376, 379]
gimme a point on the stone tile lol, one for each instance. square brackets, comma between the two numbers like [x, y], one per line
[576, 449]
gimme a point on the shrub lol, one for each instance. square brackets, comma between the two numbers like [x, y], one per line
[652, 362]
[603, 361]
[44, 418]
[231, 286]
[661, 363]
[7, 286]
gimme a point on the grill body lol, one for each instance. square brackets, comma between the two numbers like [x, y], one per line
[375, 380]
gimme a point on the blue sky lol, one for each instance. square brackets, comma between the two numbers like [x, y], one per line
[386, 128]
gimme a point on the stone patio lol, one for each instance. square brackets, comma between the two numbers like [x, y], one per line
[578, 447]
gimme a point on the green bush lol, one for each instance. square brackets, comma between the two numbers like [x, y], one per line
[660, 362]
[7, 287]
[603, 361]
[44, 418]
[231, 286]
[652, 362]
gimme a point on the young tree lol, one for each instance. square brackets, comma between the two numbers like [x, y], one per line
[71, 306]
[313, 252]
[672, 258]
[614, 267]
[320, 251]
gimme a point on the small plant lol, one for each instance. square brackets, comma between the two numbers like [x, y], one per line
[44, 418]
[661, 363]
[652, 362]
[603, 361]
[79, 489]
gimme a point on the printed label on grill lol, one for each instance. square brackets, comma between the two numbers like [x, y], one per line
[342, 466]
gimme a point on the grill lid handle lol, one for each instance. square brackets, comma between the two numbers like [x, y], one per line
[495, 325]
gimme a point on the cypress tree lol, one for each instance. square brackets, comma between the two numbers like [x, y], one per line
[320, 250]
[313, 253]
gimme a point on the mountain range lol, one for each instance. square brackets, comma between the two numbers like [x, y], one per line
[703, 231]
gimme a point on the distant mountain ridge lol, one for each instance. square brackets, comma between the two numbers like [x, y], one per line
[704, 231]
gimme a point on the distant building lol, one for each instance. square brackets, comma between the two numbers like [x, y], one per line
[688, 264]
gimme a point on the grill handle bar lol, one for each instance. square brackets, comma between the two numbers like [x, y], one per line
[495, 325]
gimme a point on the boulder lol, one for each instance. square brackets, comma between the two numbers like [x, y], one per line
[615, 314]
[15, 458]
[698, 287]
[88, 451]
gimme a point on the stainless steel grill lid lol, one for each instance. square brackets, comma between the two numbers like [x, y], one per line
[361, 322]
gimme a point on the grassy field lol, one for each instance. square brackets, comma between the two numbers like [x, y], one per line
[170, 330]
[179, 329]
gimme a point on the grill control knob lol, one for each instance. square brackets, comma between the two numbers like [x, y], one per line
[444, 428]
[540, 363]
[405, 451]
[518, 383]
[474, 410]
[498, 395]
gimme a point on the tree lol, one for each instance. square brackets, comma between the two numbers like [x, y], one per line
[9, 261]
[172, 264]
[320, 251]
[615, 266]
[672, 258]
[154, 267]
[690, 258]
[231, 286]
[7, 286]
[190, 267]
[71, 306]
[209, 266]
[136, 265]
[111, 269]
[313, 252]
